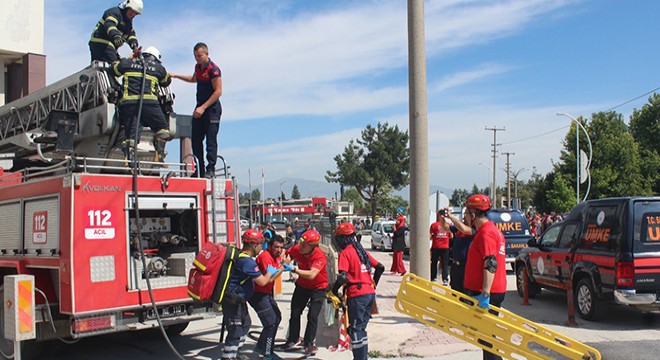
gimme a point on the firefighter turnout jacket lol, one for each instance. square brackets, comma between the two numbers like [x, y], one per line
[114, 23]
[132, 69]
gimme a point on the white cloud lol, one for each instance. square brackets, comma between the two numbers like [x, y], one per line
[348, 60]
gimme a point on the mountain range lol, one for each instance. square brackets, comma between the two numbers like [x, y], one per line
[313, 188]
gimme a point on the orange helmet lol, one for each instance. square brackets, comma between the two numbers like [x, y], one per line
[478, 201]
[252, 236]
[311, 236]
[345, 228]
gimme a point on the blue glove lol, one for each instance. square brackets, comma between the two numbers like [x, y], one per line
[484, 302]
[271, 270]
[288, 267]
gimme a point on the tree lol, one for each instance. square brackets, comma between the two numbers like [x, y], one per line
[560, 195]
[295, 193]
[458, 197]
[374, 164]
[615, 167]
[256, 195]
[389, 204]
[645, 129]
[243, 198]
[352, 195]
[282, 196]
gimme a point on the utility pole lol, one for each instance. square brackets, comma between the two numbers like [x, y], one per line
[495, 144]
[419, 149]
[508, 178]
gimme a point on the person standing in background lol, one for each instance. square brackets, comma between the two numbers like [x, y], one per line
[398, 246]
[440, 236]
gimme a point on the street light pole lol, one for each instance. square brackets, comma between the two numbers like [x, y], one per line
[490, 184]
[515, 184]
[577, 158]
[281, 215]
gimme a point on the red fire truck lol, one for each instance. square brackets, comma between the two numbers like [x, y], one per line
[110, 248]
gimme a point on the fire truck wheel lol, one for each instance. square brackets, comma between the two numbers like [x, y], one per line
[30, 349]
[176, 329]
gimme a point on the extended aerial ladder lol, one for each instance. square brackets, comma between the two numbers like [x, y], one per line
[505, 334]
[74, 116]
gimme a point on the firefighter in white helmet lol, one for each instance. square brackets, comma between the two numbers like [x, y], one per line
[113, 30]
[151, 113]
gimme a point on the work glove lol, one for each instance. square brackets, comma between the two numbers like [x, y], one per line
[271, 270]
[117, 41]
[484, 302]
[288, 267]
[336, 301]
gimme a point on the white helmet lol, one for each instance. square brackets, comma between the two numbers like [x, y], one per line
[135, 5]
[151, 50]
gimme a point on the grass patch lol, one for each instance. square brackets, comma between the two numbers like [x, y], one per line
[378, 354]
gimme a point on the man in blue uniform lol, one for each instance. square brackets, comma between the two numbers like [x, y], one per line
[113, 30]
[206, 117]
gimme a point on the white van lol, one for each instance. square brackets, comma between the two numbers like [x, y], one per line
[381, 235]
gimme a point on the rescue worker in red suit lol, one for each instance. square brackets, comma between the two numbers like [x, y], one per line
[485, 270]
[236, 318]
[263, 300]
[113, 30]
[440, 236]
[398, 246]
[354, 267]
[310, 289]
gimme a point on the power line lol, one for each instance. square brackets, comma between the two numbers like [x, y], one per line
[564, 127]
[631, 100]
[535, 136]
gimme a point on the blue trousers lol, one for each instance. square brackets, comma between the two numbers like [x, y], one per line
[237, 323]
[206, 127]
[270, 316]
[359, 313]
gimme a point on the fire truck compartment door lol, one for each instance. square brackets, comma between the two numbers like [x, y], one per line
[147, 202]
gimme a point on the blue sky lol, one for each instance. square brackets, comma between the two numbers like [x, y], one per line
[302, 78]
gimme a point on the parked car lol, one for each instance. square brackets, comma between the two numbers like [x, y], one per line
[245, 223]
[515, 228]
[606, 250]
[381, 235]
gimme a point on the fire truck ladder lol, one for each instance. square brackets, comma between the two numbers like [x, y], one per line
[221, 225]
[507, 334]
[24, 120]
[73, 115]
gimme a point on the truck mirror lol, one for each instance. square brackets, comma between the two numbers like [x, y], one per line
[531, 242]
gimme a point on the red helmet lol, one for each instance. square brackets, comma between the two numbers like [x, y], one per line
[478, 201]
[252, 236]
[311, 236]
[345, 228]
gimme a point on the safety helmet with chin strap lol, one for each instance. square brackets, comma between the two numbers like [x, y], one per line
[153, 51]
[135, 5]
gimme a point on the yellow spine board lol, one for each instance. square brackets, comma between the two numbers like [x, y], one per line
[507, 334]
